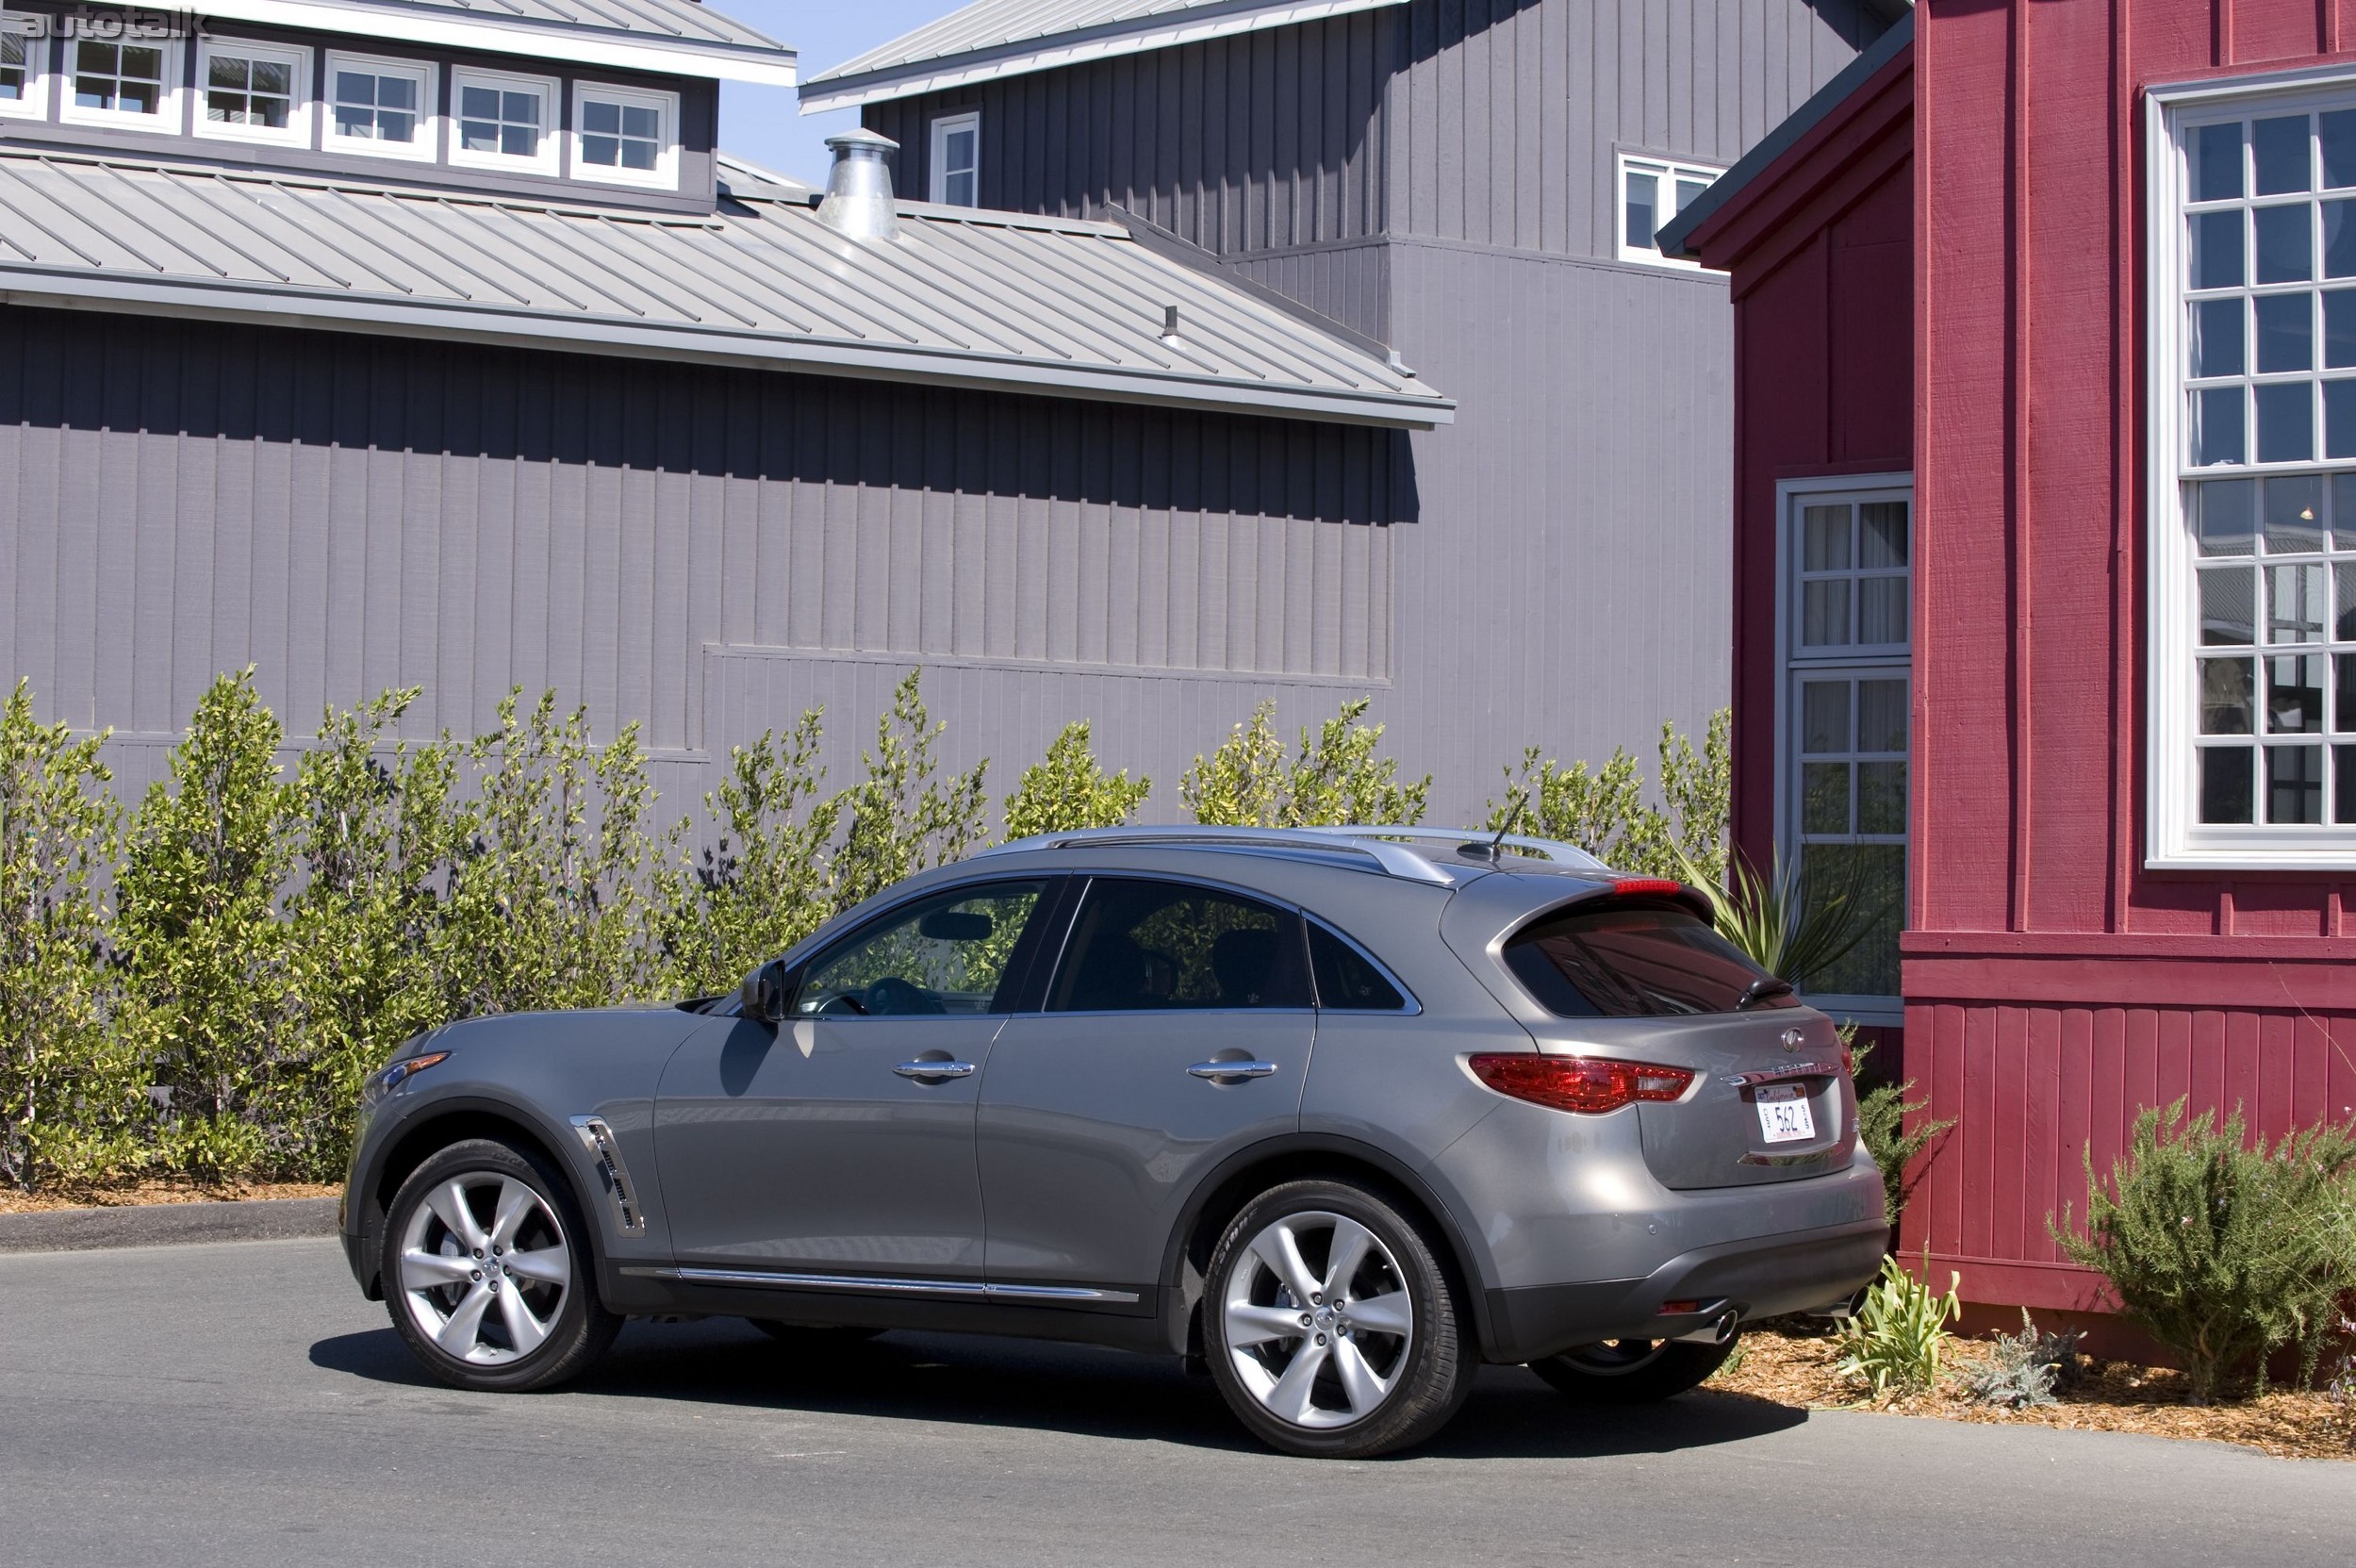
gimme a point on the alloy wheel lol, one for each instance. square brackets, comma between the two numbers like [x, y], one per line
[484, 1269]
[1317, 1320]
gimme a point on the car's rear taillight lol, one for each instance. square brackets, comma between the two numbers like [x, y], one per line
[1591, 1084]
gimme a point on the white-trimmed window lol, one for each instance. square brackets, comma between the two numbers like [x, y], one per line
[625, 134]
[1844, 740]
[24, 67]
[124, 83]
[1650, 192]
[251, 92]
[379, 108]
[502, 122]
[2253, 447]
[957, 160]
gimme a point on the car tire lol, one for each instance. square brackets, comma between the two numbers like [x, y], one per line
[1377, 1359]
[1632, 1372]
[809, 1334]
[487, 1271]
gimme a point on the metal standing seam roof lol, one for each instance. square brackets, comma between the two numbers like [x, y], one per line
[1005, 37]
[963, 297]
[679, 37]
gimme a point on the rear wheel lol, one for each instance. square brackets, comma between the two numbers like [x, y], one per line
[1632, 1371]
[1330, 1327]
[487, 1271]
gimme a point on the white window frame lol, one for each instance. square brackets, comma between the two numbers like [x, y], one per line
[1665, 172]
[426, 149]
[664, 174]
[298, 130]
[1853, 661]
[37, 47]
[171, 116]
[550, 158]
[2174, 838]
[936, 165]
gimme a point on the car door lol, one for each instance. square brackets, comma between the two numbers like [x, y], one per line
[1175, 1028]
[840, 1140]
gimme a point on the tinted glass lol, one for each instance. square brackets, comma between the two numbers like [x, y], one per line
[1345, 979]
[1140, 946]
[1632, 960]
[949, 953]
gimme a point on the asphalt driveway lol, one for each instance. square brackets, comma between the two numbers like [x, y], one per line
[238, 1403]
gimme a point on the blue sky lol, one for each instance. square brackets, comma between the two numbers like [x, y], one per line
[765, 124]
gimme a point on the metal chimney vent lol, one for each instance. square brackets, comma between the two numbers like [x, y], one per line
[859, 189]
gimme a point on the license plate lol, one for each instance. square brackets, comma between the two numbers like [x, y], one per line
[1785, 1116]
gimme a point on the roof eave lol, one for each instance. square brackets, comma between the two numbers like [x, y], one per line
[710, 59]
[62, 287]
[833, 90]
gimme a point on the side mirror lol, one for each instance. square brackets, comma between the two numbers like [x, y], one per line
[763, 994]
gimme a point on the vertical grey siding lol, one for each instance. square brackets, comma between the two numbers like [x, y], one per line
[349, 514]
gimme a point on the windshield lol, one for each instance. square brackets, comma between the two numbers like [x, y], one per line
[1633, 960]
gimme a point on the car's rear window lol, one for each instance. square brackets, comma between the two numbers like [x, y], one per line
[1633, 960]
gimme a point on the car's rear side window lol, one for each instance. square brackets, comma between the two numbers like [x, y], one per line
[1633, 961]
[1141, 946]
[1346, 978]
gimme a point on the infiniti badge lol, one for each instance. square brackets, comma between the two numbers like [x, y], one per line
[1792, 1039]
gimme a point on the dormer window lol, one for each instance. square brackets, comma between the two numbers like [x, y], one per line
[24, 59]
[956, 161]
[253, 91]
[626, 135]
[125, 84]
[379, 108]
[503, 121]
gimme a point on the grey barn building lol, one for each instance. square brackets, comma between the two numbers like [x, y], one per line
[379, 342]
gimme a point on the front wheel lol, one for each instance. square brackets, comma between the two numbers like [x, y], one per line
[1632, 1371]
[487, 1271]
[1331, 1329]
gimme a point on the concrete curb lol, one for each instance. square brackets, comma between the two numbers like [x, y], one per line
[166, 1225]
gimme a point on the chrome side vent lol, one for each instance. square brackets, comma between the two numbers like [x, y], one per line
[599, 1140]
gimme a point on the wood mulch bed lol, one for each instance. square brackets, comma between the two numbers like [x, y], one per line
[1791, 1365]
[118, 1195]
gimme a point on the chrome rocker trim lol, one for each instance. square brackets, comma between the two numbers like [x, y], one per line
[970, 1289]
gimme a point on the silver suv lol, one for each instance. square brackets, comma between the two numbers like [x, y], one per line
[1334, 1113]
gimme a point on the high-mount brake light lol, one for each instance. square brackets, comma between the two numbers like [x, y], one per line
[1641, 887]
[1587, 1084]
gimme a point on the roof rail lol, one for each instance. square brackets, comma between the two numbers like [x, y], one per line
[1388, 849]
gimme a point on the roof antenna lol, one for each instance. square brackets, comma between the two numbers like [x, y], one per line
[1497, 845]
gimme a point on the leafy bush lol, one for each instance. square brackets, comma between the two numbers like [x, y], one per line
[1898, 1340]
[1881, 1113]
[2024, 1369]
[1604, 812]
[71, 1092]
[1333, 778]
[1069, 791]
[901, 819]
[2216, 1246]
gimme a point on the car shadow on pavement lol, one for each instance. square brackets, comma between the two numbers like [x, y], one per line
[1077, 1389]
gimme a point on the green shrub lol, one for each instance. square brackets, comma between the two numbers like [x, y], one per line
[1881, 1113]
[208, 977]
[766, 882]
[1604, 811]
[72, 1099]
[1069, 790]
[2017, 1371]
[1331, 779]
[2218, 1247]
[900, 819]
[1898, 1340]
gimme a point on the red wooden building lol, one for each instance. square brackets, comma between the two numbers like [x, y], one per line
[2045, 525]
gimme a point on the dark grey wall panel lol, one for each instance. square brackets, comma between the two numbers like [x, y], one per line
[353, 513]
[1347, 281]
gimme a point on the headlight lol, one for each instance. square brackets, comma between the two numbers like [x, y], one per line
[384, 1081]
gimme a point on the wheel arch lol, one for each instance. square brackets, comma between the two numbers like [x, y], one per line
[1222, 1194]
[437, 1126]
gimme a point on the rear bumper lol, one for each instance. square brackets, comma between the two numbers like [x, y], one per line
[1759, 1276]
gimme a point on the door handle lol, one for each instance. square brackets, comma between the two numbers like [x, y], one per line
[935, 1070]
[1215, 1070]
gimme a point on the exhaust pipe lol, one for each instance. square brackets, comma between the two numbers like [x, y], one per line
[1721, 1329]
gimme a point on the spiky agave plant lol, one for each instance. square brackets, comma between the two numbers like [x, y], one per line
[1792, 926]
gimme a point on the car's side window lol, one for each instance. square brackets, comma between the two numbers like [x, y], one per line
[953, 952]
[1143, 946]
[1347, 980]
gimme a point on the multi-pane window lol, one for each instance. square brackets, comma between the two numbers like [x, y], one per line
[503, 121]
[2254, 437]
[24, 59]
[956, 161]
[382, 107]
[1847, 718]
[1651, 193]
[625, 135]
[120, 79]
[253, 92]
